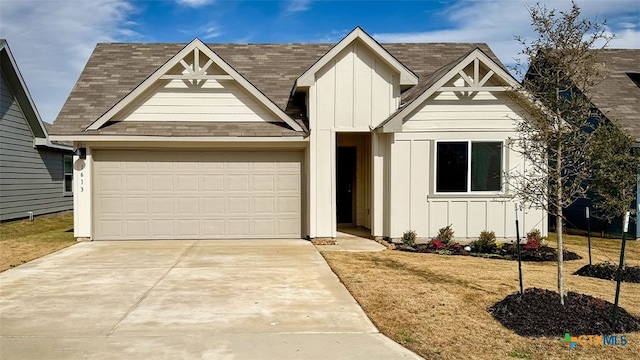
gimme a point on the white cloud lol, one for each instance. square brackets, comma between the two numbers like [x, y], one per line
[296, 6]
[52, 41]
[496, 23]
[206, 32]
[194, 3]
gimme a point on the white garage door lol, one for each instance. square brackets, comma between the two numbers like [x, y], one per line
[196, 195]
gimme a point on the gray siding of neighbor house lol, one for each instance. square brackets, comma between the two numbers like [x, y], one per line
[31, 179]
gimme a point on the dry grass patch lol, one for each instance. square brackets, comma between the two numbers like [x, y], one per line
[23, 240]
[436, 305]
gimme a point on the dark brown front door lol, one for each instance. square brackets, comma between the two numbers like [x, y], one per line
[345, 184]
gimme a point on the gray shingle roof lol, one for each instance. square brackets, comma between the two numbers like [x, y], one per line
[114, 69]
[197, 128]
[617, 96]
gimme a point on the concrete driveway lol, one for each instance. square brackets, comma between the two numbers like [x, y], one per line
[265, 299]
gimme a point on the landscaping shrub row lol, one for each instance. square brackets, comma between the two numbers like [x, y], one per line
[534, 249]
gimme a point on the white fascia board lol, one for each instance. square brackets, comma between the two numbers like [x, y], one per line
[407, 77]
[395, 123]
[153, 78]
[47, 142]
[107, 138]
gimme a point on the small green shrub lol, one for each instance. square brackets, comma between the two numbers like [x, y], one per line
[536, 235]
[486, 243]
[409, 238]
[445, 234]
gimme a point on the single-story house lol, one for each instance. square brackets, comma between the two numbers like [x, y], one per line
[616, 98]
[36, 174]
[207, 141]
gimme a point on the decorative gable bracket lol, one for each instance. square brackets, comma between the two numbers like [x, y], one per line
[195, 73]
[474, 81]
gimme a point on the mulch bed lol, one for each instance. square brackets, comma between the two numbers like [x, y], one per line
[508, 252]
[538, 312]
[543, 253]
[608, 271]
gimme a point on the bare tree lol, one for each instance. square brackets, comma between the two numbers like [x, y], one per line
[558, 67]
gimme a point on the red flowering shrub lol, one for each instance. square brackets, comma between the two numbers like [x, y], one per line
[532, 244]
[437, 244]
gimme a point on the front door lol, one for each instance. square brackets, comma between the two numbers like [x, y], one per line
[345, 184]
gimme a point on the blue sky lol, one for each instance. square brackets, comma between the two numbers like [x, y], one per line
[52, 39]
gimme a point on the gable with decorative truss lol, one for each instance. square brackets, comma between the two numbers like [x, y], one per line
[475, 84]
[195, 85]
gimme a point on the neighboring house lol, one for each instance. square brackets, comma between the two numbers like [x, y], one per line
[204, 141]
[36, 174]
[616, 98]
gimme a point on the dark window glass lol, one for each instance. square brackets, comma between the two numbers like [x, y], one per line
[452, 167]
[68, 174]
[68, 164]
[68, 183]
[486, 166]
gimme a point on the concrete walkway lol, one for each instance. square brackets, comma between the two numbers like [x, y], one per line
[184, 300]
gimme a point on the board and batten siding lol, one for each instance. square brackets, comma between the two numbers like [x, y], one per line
[355, 90]
[210, 100]
[414, 205]
[31, 179]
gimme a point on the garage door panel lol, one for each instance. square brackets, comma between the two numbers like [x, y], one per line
[238, 205]
[189, 206]
[136, 182]
[187, 228]
[239, 227]
[137, 228]
[110, 229]
[162, 182]
[136, 206]
[238, 182]
[162, 228]
[263, 205]
[187, 183]
[109, 206]
[288, 226]
[213, 182]
[213, 227]
[196, 194]
[212, 206]
[161, 206]
[110, 183]
[289, 182]
[288, 205]
[264, 226]
[263, 182]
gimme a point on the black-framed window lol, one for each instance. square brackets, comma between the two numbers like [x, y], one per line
[68, 174]
[469, 166]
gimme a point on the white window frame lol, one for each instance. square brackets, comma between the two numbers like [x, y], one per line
[65, 173]
[469, 192]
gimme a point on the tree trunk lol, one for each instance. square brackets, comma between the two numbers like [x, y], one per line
[559, 227]
[559, 194]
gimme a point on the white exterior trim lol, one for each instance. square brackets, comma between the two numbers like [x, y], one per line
[395, 123]
[159, 73]
[107, 138]
[407, 77]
